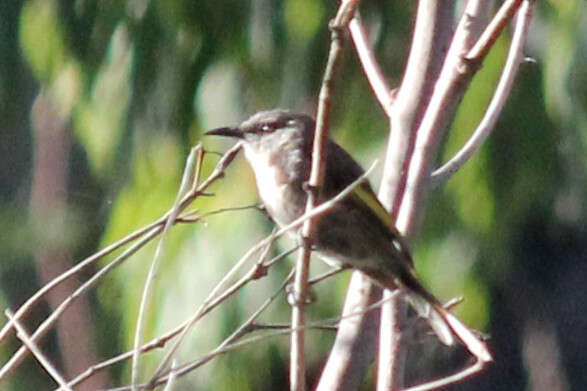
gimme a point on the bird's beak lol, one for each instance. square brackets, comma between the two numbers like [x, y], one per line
[227, 132]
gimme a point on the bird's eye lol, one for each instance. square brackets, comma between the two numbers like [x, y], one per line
[267, 128]
[291, 122]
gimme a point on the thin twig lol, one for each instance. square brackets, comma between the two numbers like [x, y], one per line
[322, 208]
[278, 258]
[162, 340]
[222, 348]
[47, 323]
[28, 342]
[493, 31]
[183, 370]
[192, 217]
[244, 329]
[150, 231]
[171, 378]
[461, 63]
[328, 274]
[27, 306]
[370, 66]
[297, 365]
[187, 182]
[213, 300]
[452, 379]
[487, 124]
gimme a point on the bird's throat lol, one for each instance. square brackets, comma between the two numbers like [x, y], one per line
[275, 187]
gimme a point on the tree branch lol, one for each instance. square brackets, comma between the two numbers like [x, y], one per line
[297, 365]
[432, 32]
[370, 67]
[28, 342]
[453, 80]
[487, 124]
[189, 179]
[146, 234]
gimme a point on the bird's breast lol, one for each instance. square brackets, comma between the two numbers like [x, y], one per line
[283, 198]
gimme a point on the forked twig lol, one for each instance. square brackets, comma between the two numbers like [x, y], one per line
[28, 342]
[190, 176]
[227, 347]
[370, 66]
[493, 30]
[297, 371]
[322, 208]
[451, 379]
[146, 233]
[162, 340]
[50, 321]
[502, 91]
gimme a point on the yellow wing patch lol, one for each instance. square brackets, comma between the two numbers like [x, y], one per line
[364, 195]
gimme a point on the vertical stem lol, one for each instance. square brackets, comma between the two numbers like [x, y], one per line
[449, 88]
[297, 365]
[432, 33]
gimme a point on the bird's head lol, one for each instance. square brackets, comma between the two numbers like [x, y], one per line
[271, 129]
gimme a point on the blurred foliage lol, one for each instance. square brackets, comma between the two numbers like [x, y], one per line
[139, 81]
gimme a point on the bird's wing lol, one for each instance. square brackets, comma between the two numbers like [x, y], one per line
[341, 171]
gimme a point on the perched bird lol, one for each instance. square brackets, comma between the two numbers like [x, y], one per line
[357, 231]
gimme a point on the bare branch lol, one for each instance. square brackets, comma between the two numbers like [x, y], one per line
[297, 366]
[354, 345]
[27, 306]
[50, 321]
[229, 344]
[432, 33]
[148, 232]
[239, 332]
[370, 66]
[456, 74]
[28, 342]
[191, 172]
[334, 271]
[487, 124]
[492, 32]
[452, 379]
[213, 300]
[171, 378]
[160, 341]
[206, 306]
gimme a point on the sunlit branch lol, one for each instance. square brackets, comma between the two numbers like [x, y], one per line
[189, 180]
[322, 208]
[487, 124]
[370, 66]
[28, 342]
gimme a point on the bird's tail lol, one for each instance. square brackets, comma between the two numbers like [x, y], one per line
[442, 322]
[445, 325]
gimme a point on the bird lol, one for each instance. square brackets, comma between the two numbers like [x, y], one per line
[357, 232]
